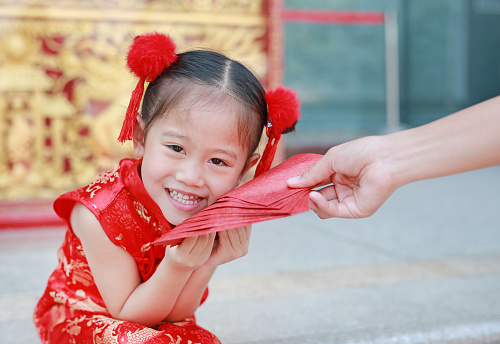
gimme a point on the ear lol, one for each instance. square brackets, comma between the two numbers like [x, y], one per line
[252, 160]
[139, 137]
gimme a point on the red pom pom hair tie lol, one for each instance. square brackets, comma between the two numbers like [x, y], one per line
[147, 57]
[283, 112]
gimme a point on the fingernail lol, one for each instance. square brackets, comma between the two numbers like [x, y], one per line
[293, 179]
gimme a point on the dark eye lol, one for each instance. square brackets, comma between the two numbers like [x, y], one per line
[176, 148]
[218, 162]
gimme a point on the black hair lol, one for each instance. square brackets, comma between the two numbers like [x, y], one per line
[219, 78]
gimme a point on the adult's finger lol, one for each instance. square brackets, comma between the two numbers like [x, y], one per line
[314, 176]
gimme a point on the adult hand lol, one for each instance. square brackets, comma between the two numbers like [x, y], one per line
[365, 172]
[359, 181]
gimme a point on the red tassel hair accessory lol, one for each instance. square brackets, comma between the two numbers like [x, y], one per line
[283, 112]
[147, 57]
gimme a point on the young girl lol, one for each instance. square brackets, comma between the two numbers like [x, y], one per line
[202, 118]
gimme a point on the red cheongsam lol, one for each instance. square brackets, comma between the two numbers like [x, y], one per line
[71, 310]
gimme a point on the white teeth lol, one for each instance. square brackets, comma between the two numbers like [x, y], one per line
[184, 199]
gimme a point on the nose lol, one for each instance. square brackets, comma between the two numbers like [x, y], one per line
[190, 172]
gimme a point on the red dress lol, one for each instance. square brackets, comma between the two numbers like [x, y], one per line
[71, 310]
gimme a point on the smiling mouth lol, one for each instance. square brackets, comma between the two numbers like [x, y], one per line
[184, 199]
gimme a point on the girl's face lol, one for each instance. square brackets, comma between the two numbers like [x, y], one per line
[191, 158]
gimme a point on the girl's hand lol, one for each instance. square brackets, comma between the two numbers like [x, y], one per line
[232, 244]
[191, 253]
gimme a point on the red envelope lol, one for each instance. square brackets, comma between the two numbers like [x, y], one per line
[264, 198]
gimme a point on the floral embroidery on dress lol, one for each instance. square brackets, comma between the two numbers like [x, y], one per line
[146, 247]
[73, 327]
[80, 250]
[147, 218]
[142, 211]
[77, 271]
[102, 178]
[80, 302]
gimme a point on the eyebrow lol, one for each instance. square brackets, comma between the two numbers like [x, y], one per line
[227, 152]
[173, 133]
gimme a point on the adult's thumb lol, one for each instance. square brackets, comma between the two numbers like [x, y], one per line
[310, 178]
[295, 182]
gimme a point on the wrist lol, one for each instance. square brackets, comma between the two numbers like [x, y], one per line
[209, 267]
[173, 266]
[204, 272]
[391, 155]
[381, 154]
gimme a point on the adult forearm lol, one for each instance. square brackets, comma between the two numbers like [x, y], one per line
[464, 141]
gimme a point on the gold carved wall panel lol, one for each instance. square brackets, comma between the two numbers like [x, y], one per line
[64, 87]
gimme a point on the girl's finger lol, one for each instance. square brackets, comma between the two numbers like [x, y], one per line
[248, 232]
[239, 238]
[209, 243]
[242, 235]
[188, 243]
[211, 239]
[222, 235]
[234, 237]
[201, 244]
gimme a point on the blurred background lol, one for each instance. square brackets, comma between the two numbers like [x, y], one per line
[360, 67]
[64, 86]
[448, 53]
